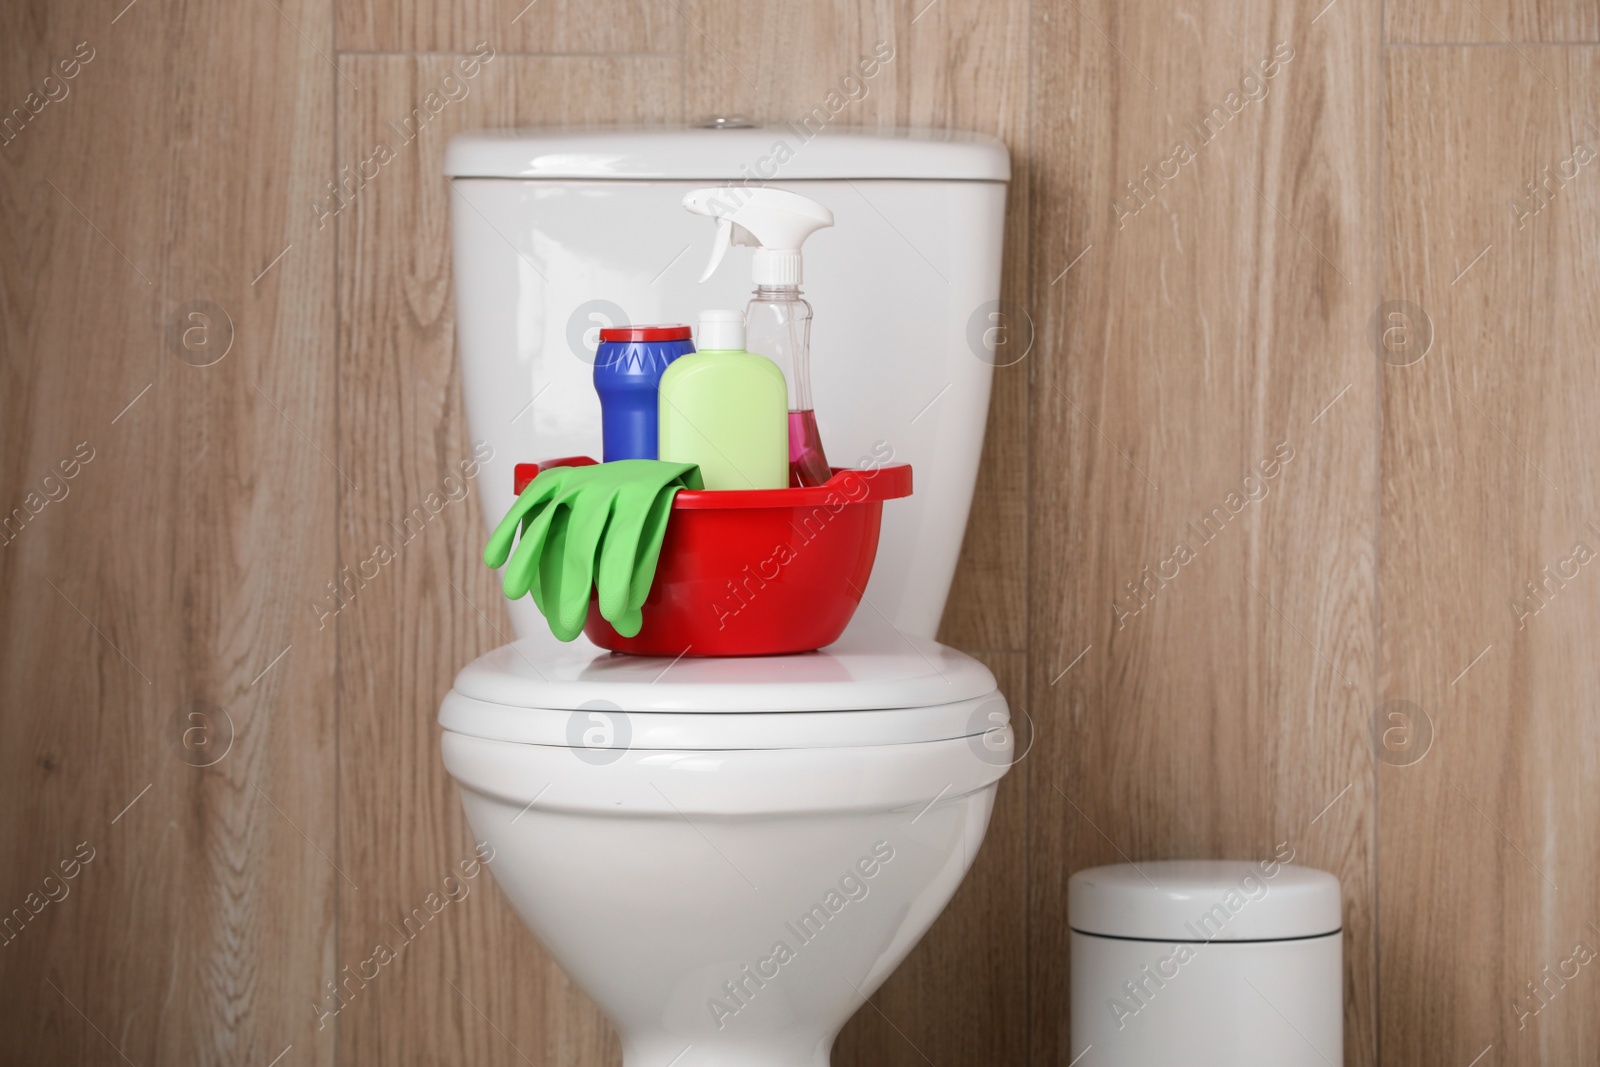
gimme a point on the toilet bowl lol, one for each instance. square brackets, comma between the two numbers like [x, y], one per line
[730, 855]
[725, 856]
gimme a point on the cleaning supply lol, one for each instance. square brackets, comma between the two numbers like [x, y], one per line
[597, 527]
[627, 372]
[725, 410]
[776, 223]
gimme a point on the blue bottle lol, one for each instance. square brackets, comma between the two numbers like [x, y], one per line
[627, 374]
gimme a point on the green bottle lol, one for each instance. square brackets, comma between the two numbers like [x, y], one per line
[726, 410]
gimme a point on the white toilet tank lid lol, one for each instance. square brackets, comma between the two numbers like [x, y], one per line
[754, 154]
[1204, 900]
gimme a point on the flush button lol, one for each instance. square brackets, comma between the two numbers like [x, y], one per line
[727, 122]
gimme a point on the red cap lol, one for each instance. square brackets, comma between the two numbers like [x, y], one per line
[671, 332]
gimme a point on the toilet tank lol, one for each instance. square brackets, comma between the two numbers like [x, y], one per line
[557, 233]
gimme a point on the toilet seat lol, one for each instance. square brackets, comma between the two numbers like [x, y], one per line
[873, 687]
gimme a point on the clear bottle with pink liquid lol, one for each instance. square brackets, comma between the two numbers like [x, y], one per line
[778, 321]
[775, 223]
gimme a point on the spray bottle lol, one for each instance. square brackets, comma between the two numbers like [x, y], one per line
[778, 318]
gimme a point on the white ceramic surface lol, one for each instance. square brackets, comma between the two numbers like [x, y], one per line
[874, 687]
[603, 725]
[905, 288]
[728, 909]
[665, 826]
[870, 667]
[657, 152]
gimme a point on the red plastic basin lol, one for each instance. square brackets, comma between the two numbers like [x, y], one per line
[757, 572]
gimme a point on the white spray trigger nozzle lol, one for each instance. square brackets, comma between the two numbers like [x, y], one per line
[773, 221]
[728, 233]
[719, 247]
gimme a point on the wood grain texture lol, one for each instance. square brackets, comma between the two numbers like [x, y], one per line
[1201, 380]
[594, 27]
[1491, 21]
[961, 996]
[1489, 856]
[169, 168]
[1183, 328]
[472, 987]
[961, 64]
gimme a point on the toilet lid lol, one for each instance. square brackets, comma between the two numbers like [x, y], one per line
[872, 687]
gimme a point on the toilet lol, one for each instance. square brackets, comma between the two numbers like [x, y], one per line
[729, 855]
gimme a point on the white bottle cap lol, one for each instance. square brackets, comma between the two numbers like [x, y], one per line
[720, 331]
[776, 266]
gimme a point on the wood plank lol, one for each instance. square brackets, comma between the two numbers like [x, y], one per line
[1491, 867]
[960, 64]
[592, 27]
[435, 607]
[961, 996]
[966, 68]
[1491, 21]
[1206, 352]
[175, 564]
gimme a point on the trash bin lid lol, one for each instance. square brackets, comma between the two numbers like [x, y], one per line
[1204, 900]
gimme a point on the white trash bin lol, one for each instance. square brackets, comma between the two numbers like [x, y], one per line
[1206, 963]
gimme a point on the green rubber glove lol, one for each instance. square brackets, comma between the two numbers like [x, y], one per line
[598, 527]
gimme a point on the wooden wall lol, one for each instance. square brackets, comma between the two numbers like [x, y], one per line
[1278, 259]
